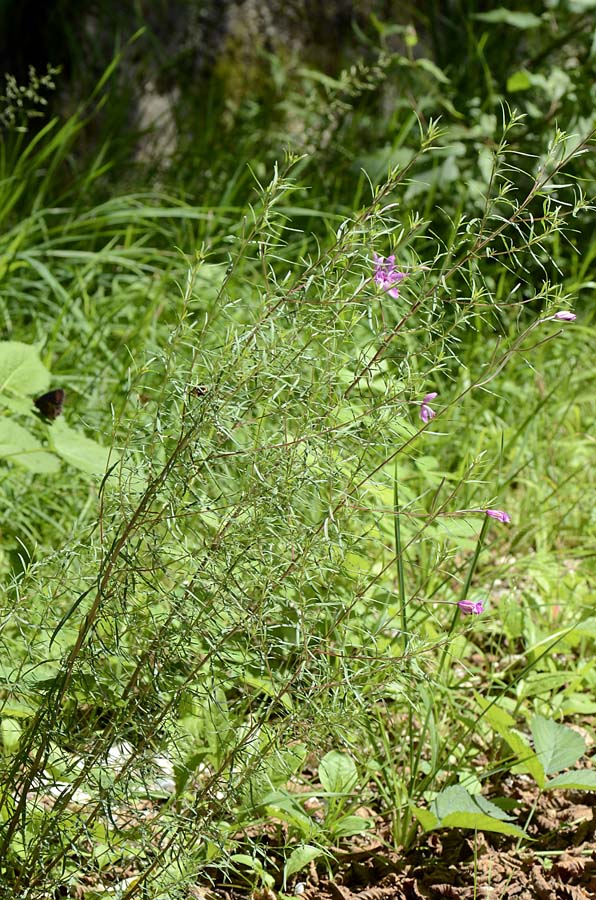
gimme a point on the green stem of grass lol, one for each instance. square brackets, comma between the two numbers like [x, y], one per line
[465, 590]
[399, 561]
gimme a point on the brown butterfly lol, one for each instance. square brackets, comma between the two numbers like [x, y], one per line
[50, 404]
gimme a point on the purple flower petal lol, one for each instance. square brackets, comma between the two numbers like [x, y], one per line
[386, 276]
[499, 514]
[565, 316]
[426, 413]
[471, 607]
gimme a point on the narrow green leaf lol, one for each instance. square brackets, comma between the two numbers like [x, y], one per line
[300, 858]
[430, 67]
[503, 16]
[349, 825]
[255, 866]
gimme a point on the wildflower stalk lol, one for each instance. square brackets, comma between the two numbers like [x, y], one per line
[403, 821]
[465, 590]
[430, 705]
[399, 562]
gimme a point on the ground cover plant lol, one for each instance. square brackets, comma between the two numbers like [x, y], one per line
[297, 508]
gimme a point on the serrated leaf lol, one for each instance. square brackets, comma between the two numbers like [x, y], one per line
[300, 858]
[577, 780]
[557, 746]
[80, 451]
[21, 369]
[456, 808]
[17, 445]
[337, 772]
[456, 799]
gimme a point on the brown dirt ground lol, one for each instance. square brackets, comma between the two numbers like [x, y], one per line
[558, 863]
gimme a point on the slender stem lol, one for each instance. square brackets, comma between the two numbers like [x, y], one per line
[399, 560]
[465, 590]
[401, 585]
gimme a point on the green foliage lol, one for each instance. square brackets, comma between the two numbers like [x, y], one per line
[454, 807]
[22, 374]
[249, 625]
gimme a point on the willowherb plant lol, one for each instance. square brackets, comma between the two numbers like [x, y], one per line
[234, 608]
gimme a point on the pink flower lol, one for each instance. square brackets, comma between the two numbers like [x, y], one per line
[499, 514]
[564, 315]
[426, 413]
[386, 276]
[471, 607]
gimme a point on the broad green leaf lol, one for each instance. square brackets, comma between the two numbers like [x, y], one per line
[577, 780]
[17, 445]
[557, 746]
[300, 858]
[481, 822]
[505, 16]
[286, 763]
[22, 406]
[456, 808]
[337, 772]
[10, 732]
[21, 369]
[80, 451]
[456, 799]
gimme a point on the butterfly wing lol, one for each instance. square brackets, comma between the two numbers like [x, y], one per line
[50, 404]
